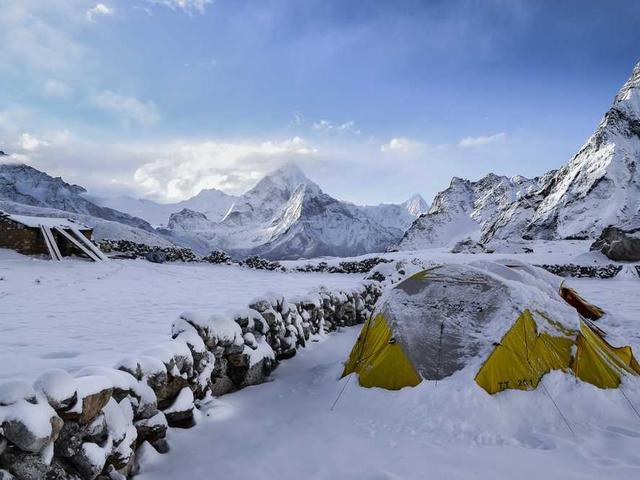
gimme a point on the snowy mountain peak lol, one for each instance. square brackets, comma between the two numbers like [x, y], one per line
[289, 176]
[600, 186]
[416, 205]
[463, 209]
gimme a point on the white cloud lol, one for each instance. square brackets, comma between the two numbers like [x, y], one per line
[31, 143]
[182, 169]
[400, 145]
[327, 126]
[483, 140]
[100, 10]
[187, 6]
[56, 88]
[128, 109]
[37, 37]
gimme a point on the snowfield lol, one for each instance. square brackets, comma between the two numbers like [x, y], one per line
[73, 314]
[76, 314]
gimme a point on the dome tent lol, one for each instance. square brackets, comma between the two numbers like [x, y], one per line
[507, 313]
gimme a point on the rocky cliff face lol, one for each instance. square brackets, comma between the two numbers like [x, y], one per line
[600, 186]
[464, 209]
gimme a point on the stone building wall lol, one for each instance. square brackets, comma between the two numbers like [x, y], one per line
[21, 238]
[29, 240]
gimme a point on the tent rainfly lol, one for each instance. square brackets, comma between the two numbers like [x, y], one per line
[509, 314]
[53, 236]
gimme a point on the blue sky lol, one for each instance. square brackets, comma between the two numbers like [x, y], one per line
[374, 99]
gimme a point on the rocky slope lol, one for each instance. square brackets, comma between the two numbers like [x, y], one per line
[25, 185]
[600, 186]
[28, 191]
[286, 215]
[464, 209]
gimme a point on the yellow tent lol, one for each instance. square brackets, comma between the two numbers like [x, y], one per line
[433, 323]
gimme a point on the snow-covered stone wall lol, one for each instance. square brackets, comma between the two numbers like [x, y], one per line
[92, 424]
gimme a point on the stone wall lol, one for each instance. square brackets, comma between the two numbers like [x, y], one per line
[20, 238]
[595, 271]
[91, 425]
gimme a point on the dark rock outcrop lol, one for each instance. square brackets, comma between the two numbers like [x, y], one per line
[619, 245]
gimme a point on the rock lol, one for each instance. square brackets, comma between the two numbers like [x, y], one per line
[89, 461]
[69, 441]
[260, 263]
[618, 244]
[468, 245]
[23, 465]
[97, 431]
[59, 387]
[152, 429]
[156, 256]
[4, 475]
[217, 257]
[94, 392]
[180, 413]
[571, 270]
[31, 427]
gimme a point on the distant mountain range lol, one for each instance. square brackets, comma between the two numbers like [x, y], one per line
[286, 215]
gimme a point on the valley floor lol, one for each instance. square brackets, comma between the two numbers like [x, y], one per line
[74, 313]
[287, 429]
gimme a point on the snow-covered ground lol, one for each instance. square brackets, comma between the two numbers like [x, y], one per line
[287, 429]
[74, 313]
[549, 252]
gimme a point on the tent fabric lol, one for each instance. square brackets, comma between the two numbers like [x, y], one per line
[379, 360]
[599, 363]
[584, 308]
[432, 324]
[523, 356]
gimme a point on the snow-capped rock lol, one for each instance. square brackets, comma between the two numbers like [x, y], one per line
[600, 186]
[463, 209]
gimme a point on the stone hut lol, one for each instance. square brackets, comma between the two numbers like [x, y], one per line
[52, 236]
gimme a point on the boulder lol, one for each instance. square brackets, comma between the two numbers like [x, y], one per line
[23, 465]
[180, 413]
[468, 245]
[156, 256]
[618, 244]
[59, 388]
[94, 392]
[31, 427]
[152, 429]
[90, 460]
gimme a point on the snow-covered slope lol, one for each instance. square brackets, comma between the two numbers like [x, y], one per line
[102, 229]
[23, 184]
[211, 202]
[286, 215]
[463, 209]
[600, 186]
